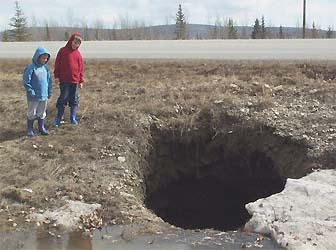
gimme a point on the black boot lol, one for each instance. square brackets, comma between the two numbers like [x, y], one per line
[30, 130]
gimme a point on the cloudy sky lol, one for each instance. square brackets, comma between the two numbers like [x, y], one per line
[112, 13]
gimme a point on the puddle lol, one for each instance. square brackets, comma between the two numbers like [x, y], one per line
[110, 238]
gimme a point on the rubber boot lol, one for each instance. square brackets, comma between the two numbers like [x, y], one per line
[30, 129]
[60, 112]
[73, 110]
[41, 127]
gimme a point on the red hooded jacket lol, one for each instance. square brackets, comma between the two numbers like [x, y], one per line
[69, 63]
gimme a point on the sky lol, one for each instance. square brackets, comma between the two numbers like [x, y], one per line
[114, 13]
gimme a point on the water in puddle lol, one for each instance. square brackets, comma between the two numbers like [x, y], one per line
[110, 239]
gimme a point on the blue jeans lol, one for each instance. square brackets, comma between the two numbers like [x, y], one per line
[68, 95]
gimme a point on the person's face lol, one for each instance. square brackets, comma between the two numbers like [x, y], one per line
[75, 43]
[43, 59]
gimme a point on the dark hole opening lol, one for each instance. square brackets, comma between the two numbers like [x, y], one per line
[216, 199]
[204, 179]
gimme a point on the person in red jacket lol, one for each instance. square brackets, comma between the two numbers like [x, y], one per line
[68, 73]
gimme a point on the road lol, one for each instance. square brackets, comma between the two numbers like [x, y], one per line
[299, 49]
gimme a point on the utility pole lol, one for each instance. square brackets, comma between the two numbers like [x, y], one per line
[304, 20]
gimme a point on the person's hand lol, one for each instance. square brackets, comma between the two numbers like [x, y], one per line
[31, 94]
[81, 85]
[57, 80]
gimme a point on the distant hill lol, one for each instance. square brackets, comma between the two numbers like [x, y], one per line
[160, 32]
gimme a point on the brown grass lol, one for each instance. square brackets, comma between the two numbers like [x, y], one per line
[119, 102]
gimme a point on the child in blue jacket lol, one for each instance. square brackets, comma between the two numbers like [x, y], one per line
[37, 82]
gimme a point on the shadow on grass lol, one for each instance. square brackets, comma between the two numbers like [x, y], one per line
[9, 135]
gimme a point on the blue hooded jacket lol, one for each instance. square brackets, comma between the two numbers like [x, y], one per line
[36, 78]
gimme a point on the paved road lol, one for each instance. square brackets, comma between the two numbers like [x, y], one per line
[318, 49]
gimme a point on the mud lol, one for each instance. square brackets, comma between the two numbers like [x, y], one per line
[120, 237]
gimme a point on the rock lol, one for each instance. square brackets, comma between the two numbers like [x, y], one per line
[28, 190]
[129, 233]
[121, 159]
[68, 216]
[234, 86]
[302, 216]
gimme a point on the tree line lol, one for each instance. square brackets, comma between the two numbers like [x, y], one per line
[222, 29]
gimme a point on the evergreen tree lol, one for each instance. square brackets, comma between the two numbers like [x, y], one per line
[48, 36]
[181, 25]
[19, 24]
[330, 32]
[232, 30]
[281, 34]
[314, 31]
[256, 33]
[263, 28]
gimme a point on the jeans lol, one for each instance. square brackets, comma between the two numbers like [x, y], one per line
[68, 95]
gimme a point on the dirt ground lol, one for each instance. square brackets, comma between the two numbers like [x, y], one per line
[103, 159]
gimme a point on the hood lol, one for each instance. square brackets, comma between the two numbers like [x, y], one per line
[72, 38]
[39, 51]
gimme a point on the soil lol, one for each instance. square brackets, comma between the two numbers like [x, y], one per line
[129, 110]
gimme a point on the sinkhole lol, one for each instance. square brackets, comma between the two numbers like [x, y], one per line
[203, 179]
